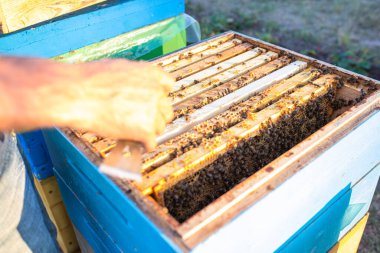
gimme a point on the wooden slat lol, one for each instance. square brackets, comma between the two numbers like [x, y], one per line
[90, 137]
[176, 65]
[210, 61]
[202, 75]
[346, 96]
[18, 14]
[104, 146]
[194, 50]
[229, 87]
[349, 92]
[212, 50]
[208, 152]
[51, 198]
[221, 78]
[180, 125]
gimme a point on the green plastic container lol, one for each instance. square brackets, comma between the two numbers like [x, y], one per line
[142, 44]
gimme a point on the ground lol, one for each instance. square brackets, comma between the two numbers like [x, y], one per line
[342, 32]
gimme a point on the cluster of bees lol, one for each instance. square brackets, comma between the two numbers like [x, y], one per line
[197, 191]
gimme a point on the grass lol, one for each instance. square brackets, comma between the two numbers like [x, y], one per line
[358, 61]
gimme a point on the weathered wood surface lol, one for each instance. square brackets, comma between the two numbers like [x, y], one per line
[51, 198]
[18, 14]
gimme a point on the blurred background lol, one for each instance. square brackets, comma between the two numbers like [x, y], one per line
[343, 32]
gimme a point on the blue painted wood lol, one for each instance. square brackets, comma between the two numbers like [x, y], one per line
[270, 222]
[339, 216]
[321, 232]
[114, 218]
[72, 32]
[85, 222]
[35, 154]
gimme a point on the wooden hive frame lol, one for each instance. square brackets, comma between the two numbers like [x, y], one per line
[229, 205]
[18, 14]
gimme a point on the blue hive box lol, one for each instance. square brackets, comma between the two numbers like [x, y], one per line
[313, 194]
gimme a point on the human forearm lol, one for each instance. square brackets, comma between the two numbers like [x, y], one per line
[28, 92]
[114, 98]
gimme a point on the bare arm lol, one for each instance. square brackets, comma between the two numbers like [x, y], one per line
[115, 98]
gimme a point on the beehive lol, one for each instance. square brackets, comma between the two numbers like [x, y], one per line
[239, 104]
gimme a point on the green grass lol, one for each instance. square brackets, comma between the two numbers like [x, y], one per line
[358, 61]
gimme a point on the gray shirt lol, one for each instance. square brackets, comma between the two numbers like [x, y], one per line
[22, 226]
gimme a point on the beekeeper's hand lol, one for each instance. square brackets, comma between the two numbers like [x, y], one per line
[114, 98]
